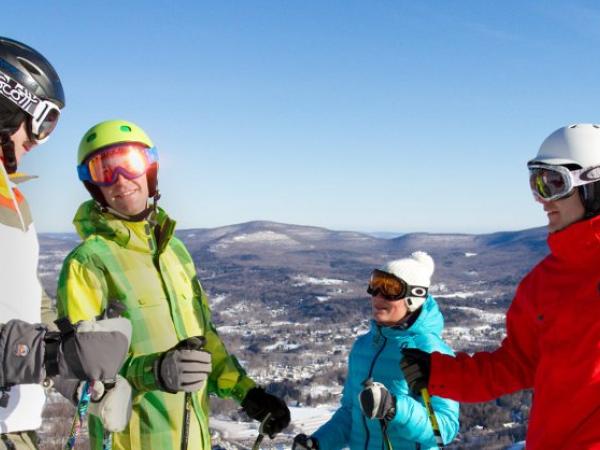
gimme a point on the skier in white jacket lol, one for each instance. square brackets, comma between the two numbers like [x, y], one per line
[31, 97]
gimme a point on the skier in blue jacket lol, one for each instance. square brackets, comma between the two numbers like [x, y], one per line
[377, 408]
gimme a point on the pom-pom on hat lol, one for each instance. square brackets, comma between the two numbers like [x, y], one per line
[416, 270]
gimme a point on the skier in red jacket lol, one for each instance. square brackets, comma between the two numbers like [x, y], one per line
[552, 339]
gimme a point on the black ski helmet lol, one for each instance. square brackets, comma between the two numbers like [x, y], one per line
[32, 70]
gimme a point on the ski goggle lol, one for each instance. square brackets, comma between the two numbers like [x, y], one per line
[391, 287]
[550, 183]
[131, 160]
[43, 114]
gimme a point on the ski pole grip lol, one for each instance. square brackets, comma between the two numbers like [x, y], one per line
[192, 343]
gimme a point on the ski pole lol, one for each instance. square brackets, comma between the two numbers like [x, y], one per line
[82, 408]
[192, 343]
[434, 423]
[261, 432]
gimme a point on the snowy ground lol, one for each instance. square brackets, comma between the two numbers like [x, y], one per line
[242, 434]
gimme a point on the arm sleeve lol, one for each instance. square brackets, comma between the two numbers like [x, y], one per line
[413, 423]
[488, 375]
[82, 291]
[228, 379]
[335, 433]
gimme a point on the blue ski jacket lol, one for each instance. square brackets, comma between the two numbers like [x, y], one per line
[377, 355]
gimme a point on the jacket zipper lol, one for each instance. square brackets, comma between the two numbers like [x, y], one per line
[187, 398]
[364, 419]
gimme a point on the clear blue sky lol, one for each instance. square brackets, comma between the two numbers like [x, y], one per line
[372, 115]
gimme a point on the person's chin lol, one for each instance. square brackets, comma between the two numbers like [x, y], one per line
[379, 317]
[554, 226]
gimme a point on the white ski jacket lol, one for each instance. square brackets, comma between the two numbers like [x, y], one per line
[20, 296]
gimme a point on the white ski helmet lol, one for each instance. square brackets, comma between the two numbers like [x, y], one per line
[575, 146]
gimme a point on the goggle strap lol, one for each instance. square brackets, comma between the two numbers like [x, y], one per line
[152, 153]
[83, 172]
[581, 177]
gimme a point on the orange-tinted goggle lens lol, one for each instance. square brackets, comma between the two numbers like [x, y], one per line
[130, 160]
[388, 285]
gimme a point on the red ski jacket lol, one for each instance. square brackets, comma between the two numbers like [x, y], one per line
[552, 345]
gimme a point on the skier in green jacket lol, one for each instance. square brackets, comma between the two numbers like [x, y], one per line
[130, 258]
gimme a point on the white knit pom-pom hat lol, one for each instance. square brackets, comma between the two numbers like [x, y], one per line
[416, 270]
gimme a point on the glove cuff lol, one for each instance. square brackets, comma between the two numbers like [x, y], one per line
[160, 382]
[389, 416]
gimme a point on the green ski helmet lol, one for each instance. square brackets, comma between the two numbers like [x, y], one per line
[106, 134]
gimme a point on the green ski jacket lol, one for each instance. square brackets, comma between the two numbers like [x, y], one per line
[150, 272]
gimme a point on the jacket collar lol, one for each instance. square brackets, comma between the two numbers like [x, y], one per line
[578, 243]
[91, 220]
[429, 321]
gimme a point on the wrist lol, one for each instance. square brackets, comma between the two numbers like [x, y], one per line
[156, 369]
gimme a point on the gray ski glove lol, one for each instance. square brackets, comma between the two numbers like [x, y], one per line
[304, 442]
[89, 350]
[185, 367]
[376, 402]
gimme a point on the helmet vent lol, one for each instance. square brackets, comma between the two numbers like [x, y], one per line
[125, 128]
[91, 137]
[32, 68]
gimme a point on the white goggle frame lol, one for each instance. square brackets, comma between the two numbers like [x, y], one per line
[571, 179]
[37, 108]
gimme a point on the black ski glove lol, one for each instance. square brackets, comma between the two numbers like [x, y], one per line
[376, 402]
[258, 403]
[185, 367]
[304, 442]
[416, 366]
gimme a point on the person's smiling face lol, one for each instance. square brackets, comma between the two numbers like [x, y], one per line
[127, 197]
[386, 312]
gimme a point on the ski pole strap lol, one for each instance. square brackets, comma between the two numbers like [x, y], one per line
[82, 408]
[261, 432]
[434, 423]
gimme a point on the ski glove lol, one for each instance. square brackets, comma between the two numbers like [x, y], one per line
[258, 403]
[89, 350]
[111, 402]
[416, 366]
[376, 402]
[113, 407]
[304, 442]
[185, 367]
